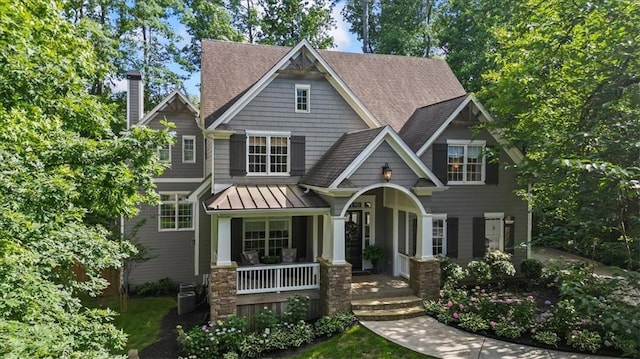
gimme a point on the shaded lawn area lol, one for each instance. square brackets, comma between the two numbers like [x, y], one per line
[357, 342]
[141, 320]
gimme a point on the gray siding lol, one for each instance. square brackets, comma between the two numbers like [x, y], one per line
[207, 156]
[370, 172]
[468, 201]
[172, 251]
[204, 231]
[185, 125]
[273, 110]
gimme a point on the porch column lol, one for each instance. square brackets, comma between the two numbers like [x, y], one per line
[224, 241]
[424, 246]
[337, 255]
[326, 237]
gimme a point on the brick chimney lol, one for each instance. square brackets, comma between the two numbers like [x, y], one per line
[135, 97]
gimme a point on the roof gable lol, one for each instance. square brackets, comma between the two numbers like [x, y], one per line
[353, 149]
[304, 51]
[166, 103]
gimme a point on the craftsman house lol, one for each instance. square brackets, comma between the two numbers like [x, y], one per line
[298, 159]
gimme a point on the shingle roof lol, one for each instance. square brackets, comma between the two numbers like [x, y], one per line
[339, 157]
[391, 87]
[251, 197]
[425, 121]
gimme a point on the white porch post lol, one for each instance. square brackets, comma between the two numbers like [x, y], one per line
[337, 256]
[314, 236]
[395, 237]
[424, 246]
[224, 241]
[326, 237]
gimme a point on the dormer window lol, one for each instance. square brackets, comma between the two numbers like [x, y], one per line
[303, 99]
[465, 162]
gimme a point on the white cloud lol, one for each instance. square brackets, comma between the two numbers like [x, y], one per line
[344, 40]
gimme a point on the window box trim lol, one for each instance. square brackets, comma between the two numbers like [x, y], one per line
[177, 203]
[441, 217]
[268, 135]
[184, 139]
[295, 97]
[466, 144]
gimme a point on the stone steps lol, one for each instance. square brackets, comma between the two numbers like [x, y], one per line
[388, 308]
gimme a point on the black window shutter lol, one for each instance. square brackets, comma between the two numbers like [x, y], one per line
[238, 155]
[493, 167]
[509, 238]
[297, 155]
[452, 237]
[440, 152]
[479, 241]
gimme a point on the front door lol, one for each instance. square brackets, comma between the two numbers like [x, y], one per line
[353, 238]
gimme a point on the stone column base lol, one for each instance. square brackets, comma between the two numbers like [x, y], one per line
[335, 287]
[424, 278]
[223, 291]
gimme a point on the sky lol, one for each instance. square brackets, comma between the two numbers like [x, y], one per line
[342, 38]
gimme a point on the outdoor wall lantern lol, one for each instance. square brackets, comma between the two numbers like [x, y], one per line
[509, 220]
[386, 172]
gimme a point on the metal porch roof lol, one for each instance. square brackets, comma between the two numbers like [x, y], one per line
[264, 197]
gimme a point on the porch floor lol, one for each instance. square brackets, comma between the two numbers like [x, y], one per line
[378, 286]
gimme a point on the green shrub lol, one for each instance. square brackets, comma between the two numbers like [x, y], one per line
[532, 269]
[585, 340]
[507, 329]
[502, 269]
[265, 318]
[159, 288]
[230, 333]
[547, 337]
[450, 272]
[200, 342]
[253, 345]
[493, 256]
[479, 271]
[297, 308]
[471, 321]
[230, 355]
[563, 317]
[328, 325]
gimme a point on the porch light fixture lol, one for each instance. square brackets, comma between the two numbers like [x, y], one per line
[509, 220]
[386, 172]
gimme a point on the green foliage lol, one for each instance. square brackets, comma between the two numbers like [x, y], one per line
[162, 287]
[374, 253]
[508, 329]
[472, 322]
[585, 340]
[64, 176]
[532, 269]
[479, 271]
[265, 318]
[395, 27]
[329, 325]
[297, 309]
[547, 337]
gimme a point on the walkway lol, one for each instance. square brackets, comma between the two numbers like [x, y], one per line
[428, 336]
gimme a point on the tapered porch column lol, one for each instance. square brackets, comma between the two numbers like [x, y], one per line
[224, 241]
[337, 255]
[424, 245]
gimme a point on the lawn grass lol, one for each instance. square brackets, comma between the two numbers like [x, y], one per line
[357, 342]
[141, 320]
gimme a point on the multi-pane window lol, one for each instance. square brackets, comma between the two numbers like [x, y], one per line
[438, 236]
[175, 212]
[494, 231]
[268, 154]
[268, 237]
[302, 98]
[465, 163]
[188, 149]
[164, 153]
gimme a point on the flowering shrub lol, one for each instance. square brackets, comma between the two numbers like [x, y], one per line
[585, 340]
[265, 318]
[507, 329]
[479, 271]
[297, 308]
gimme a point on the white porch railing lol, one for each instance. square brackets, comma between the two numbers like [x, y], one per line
[404, 265]
[278, 278]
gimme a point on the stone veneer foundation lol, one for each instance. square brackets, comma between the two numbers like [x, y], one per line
[223, 291]
[335, 287]
[424, 278]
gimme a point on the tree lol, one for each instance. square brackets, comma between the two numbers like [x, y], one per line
[62, 166]
[245, 18]
[566, 92]
[465, 36]
[399, 27]
[287, 22]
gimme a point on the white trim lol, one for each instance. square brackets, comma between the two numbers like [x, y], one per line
[269, 212]
[307, 88]
[267, 221]
[372, 226]
[204, 184]
[499, 216]
[176, 180]
[395, 238]
[268, 135]
[515, 154]
[151, 114]
[383, 185]
[266, 79]
[177, 211]
[224, 241]
[442, 217]
[401, 149]
[314, 236]
[196, 239]
[195, 152]
[466, 144]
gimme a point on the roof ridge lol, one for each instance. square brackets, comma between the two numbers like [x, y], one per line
[246, 43]
[443, 101]
[382, 55]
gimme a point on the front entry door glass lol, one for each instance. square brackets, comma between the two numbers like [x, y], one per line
[353, 238]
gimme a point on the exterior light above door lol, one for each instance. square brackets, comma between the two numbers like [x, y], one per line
[386, 172]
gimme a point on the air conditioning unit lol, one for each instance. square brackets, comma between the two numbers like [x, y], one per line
[186, 302]
[187, 287]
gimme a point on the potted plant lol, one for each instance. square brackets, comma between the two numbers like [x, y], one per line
[375, 254]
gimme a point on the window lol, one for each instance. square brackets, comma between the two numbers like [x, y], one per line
[439, 234]
[268, 154]
[175, 212]
[164, 153]
[494, 231]
[268, 237]
[189, 149]
[303, 98]
[465, 162]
